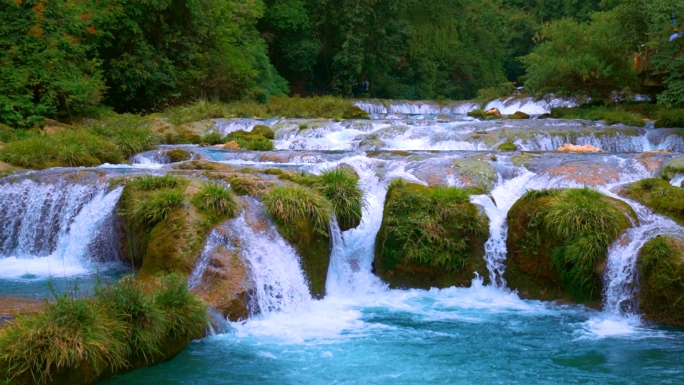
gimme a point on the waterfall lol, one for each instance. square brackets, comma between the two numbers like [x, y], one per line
[56, 228]
[504, 195]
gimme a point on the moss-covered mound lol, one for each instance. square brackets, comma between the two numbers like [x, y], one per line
[658, 195]
[253, 141]
[164, 231]
[177, 155]
[661, 280]
[430, 237]
[672, 168]
[507, 146]
[121, 327]
[519, 115]
[558, 241]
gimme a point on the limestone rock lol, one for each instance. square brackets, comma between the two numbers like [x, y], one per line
[494, 112]
[231, 146]
[519, 115]
[567, 147]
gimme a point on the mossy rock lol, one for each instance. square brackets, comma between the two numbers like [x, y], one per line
[177, 155]
[672, 168]
[475, 173]
[252, 141]
[661, 280]
[481, 114]
[430, 237]
[507, 146]
[548, 258]
[522, 159]
[519, 115]
[264, 131]
[659, 196]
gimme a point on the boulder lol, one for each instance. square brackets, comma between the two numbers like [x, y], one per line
[494, 112]
[567, 147]
[231, 146]
[519, 115]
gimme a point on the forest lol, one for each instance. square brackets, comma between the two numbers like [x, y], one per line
[66, 58]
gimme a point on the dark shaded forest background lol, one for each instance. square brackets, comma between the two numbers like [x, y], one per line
[63, 58]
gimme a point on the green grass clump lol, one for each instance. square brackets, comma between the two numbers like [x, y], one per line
[131, 133]
[661, 277]
[290, 205]
[197, 111]
[157, 206]
[149, 182]
[93, 335]
[670, 118]
[253, 141]
[658, 195]
[212, 138]
[587, 226]
[611, 116]
[341, 187]
[264, 131]
[431, 226]
[215, 197]
[177, 155]
[478, 113]
[672, 168]
[68, 148]
[507, 146]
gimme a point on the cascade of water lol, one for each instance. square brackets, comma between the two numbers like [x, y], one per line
[620, 285]
[56, 228]
[504, 195]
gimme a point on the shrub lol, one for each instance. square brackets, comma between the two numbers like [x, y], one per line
[149, 182]
[212, 138]
[341, 187]
[65, 334]
[586, 225]
[157, 206]
[185, 313]
[215, 197]
[670, 118]
[289, 205]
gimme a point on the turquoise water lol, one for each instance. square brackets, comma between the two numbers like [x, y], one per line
[452, 336]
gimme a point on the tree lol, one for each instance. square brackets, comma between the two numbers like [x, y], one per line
[581, 59]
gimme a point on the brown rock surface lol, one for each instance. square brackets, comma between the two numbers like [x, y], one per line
[494, 112]
[567, 147]
[231, 146]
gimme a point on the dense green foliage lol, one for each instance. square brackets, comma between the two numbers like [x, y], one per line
[119, 325]
[558, 240]
[661, 278]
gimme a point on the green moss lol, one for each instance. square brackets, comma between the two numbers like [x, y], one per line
[178, 155]
[252, 141]
[670, 118]
[507, 146]
[672, 168]
[658, 195]
[558, 241]
[519, 115]
[609, 115]
[522, 159]
[264, 131]
[430, 237]
[476, 173]
[480, 114]
[661, 281]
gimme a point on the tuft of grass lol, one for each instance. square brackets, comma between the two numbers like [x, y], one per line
[243, 186]
[253, 141]
[670, 118]
[507, 146]
[149, 182]
[289, 205]
[264, 131]
[65, 334]
[536, 194]
[660, 196]
[146, 324]
[131, 133]
[341, 187]
[157, 206]
[396, 183]
[213, 138]
[587, 226]
[215, 197]
[186, 314]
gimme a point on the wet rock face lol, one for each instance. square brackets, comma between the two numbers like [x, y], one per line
[225, 284]
[661, 280]
[430, 237]
[578, 149]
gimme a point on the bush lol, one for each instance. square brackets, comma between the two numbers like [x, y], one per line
[67, 148]
[289, 205]
[670, 118]
[157, 206]
[149, 182]
[341, 187]
[185, 313]
[215, 197]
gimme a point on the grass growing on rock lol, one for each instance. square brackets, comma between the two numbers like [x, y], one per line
[216, 198]
[289, 205]
[341, 187]
[661, 278]
[430, 236]
[507, 146]
[131, 133]
[79, 340]
[672, 168]
[149, 182]
[658, 195]
[610, 116]
[253, 141]
[157, 206]
[558, 241]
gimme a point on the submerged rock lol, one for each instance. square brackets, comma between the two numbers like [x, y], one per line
[661, 280]
[430, 237]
